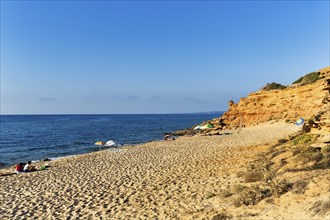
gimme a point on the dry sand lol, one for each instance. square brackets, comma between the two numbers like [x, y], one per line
[157, 180]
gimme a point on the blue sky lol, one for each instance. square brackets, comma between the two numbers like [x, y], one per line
[90, 57]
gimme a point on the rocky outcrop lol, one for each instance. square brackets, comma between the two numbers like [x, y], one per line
[297, 101]
[310, 102]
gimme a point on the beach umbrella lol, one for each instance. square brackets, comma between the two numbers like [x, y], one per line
[207, 126]
[197, 127]
[110, 143]
[300, 121]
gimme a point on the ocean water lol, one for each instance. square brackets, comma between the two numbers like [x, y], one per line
[35, 137]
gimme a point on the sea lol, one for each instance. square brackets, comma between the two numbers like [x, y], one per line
[39, 137]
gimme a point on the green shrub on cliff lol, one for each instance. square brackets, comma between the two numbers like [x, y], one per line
[308, 78]
[304, 139]
[273, 86]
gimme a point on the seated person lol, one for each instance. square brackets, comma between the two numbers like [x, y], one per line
[28, 167]
[19, 167]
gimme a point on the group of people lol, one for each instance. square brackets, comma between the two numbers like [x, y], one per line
[25, 167]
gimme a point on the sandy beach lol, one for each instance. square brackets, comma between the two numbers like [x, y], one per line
[181, 179]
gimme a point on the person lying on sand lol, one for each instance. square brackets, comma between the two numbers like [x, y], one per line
[168, 137]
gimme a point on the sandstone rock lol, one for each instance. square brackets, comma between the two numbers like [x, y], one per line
[311, 102]
[324, 139]
[288, 104]
[214, 133]
[231, 103]
[306, 128]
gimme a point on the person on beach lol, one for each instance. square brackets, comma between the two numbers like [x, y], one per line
[168, 137]
[19, 167]
[28, 167]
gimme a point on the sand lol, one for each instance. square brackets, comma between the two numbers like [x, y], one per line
[157, 180]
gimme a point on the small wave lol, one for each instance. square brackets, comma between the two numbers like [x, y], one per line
[9, 142]
[36, 148]
[62, 157]
[60, 146]
[47, 147]
[2, 165]
[80, 142]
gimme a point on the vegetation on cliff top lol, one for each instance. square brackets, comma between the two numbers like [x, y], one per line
[308, 78]
[304, 80]
[273, 86]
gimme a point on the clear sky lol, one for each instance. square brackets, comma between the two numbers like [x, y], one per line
[90, 57]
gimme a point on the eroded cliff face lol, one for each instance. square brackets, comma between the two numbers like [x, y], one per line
[296, 101]
[311, 102]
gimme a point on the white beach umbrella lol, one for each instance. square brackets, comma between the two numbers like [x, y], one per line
[110, 143]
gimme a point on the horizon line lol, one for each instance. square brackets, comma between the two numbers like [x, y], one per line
[45, 114]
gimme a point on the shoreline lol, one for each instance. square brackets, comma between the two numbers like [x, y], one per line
[179, 179]
[95, 150]
[104, 148]
[50, 159]
[125, 146]
[57, 135]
